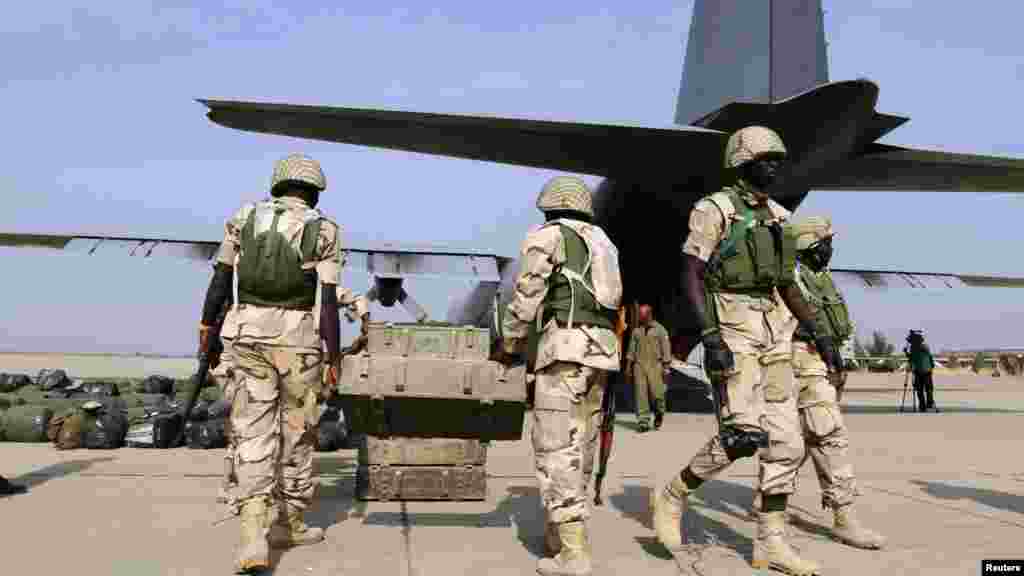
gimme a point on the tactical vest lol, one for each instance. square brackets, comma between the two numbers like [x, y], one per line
[755, 255]
[572, 294]
[271, 272]
[832, 316]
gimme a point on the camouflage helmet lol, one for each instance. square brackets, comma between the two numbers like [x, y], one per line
[809, 230]
[565, 193]
[298, 168]
[748, 143]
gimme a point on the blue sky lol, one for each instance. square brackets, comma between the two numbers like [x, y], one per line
[103, 136]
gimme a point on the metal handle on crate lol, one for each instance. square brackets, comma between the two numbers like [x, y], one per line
[467, 380]
[401, 374]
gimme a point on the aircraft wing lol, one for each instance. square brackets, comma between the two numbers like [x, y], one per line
[386, 260]
[598, 149]
[883, 167]
[881, 279]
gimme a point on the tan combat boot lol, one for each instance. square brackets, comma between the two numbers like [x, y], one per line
[667, 513]
[253, 552]
[574, 557]
[772, 551]
[290, 530]
[849, 531]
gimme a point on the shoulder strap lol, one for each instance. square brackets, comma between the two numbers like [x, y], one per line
[729, 204]
[727, 207]
[248, 229]
[310, 235]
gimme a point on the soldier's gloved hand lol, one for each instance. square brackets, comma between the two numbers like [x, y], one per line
[507, 351]
[718, 359]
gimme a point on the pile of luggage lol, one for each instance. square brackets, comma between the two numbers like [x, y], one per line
[108, 414]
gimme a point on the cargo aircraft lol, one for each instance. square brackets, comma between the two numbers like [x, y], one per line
[747, 62]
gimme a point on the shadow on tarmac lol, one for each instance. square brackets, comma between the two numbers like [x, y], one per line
[990, 498]
[334, 501]
[58, 470]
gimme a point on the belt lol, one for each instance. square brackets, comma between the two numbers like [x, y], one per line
[577, 324]
[299, 308]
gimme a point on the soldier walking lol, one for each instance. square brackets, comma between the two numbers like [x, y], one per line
[825, 436]
[740, 279]
[286, 255]
[570, 287]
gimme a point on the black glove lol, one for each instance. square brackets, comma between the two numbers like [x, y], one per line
[718, 359]
[827, 350]
[507, 355]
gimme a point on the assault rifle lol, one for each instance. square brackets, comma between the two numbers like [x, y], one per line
[608, 416]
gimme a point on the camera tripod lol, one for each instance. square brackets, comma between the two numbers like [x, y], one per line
[906, 380]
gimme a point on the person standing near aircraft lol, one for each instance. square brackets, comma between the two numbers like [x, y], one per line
[647, 361]
[286, 255]
[570, 286]
[825, 436]
[740, 280]
[922, 364]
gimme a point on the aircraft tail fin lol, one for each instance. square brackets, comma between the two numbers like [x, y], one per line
[750, 50]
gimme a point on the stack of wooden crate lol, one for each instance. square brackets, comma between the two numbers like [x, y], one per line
[429, 401]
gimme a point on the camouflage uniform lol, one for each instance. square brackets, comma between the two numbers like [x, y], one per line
[742, 295]
[762, 390]
[649, 355]
[277, 358]
[572, 361]
[223, 376]
[826, 436]
[277, 355]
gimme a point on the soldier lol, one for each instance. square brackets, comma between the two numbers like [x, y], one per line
[287, 259]
[8, 488]
[739, 279]
[825, 435]
[569, 285]
[647, 361]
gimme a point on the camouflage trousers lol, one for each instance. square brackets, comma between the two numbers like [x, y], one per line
[821, 421]
[273, 422]
[224, 376]
[761, 391]
[566, 424]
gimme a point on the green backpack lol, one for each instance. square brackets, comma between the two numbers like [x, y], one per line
[270, 272]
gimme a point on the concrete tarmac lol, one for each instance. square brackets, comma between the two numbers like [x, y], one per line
[947, 490]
